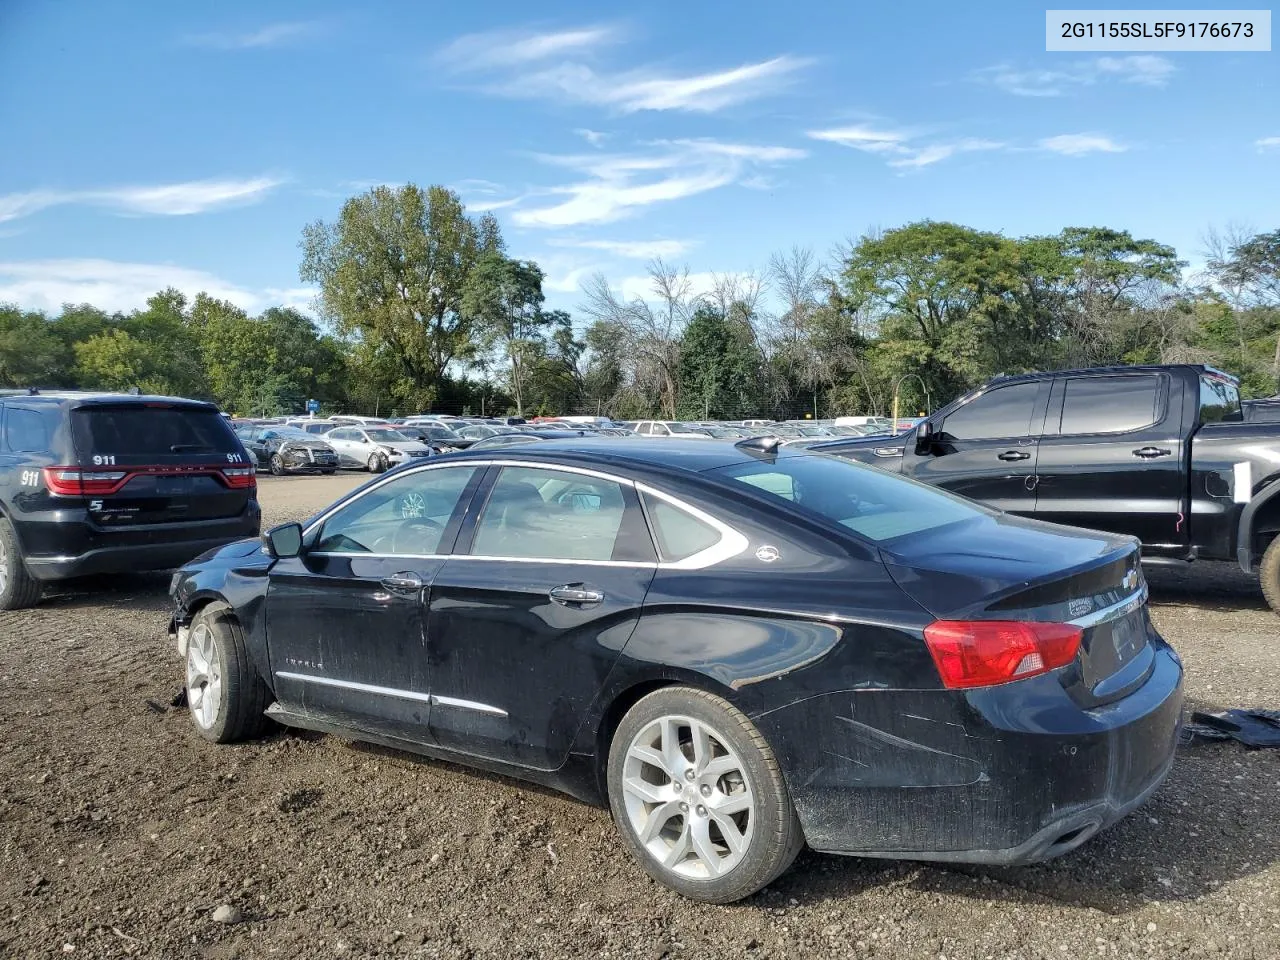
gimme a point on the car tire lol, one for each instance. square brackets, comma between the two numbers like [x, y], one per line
[735, 773]
[226, 696]
[1269, 574]
[330, 472]
[18, 589]
[377, 463]
[277, 465]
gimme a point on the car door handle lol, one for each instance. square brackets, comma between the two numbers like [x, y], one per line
[575, 593]
[1013, 455]
[403, 583]
[1150, 453]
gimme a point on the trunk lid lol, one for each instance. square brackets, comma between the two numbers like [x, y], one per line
[1009, 568]
[158, 461]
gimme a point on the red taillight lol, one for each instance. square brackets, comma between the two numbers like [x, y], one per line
[240, 478]
[71, 482]
[981, 653]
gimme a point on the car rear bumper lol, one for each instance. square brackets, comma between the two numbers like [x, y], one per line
[1005, 775]
[67, 544]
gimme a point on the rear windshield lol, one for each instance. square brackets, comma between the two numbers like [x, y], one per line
[870, 502]
[1219, 400]
[138, 430]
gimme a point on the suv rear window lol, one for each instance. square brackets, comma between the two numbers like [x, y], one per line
[137, 430]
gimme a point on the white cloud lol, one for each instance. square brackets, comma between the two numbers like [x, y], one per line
[1078, 144]
[1142, 69]
[553, 66]
[1266, 143]
[171, 199]
[618, 185]
[593, 137]
[632, 249]
[115, 285]
[505, 48]
[901, 148]
[271, 35]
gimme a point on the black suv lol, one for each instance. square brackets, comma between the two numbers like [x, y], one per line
[102, 483]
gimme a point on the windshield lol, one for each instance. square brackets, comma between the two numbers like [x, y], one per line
[877, 505]
[387, 436]
[285, 432]
[439, 433]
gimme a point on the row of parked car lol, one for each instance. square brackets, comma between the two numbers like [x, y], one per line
[324, 445]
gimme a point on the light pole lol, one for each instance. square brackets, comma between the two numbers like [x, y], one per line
[928, 401]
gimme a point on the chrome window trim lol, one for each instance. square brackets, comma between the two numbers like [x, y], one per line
[1113, 612]
[731, 543]
[431, 698]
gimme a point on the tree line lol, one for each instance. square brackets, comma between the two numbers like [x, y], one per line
[425, 310]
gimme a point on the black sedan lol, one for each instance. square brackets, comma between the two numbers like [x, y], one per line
[284, 449]
[741, 649]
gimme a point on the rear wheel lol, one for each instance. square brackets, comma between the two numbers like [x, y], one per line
[18, 588]
[1269, 574]
[277, 465]
[225, 694]
[699, 798]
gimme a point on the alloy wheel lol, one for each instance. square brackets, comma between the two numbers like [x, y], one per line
[413, 505]
[688, 798]
[4, 566]
[204, 677]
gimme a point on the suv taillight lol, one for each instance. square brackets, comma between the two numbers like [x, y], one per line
[982, 653]
[73, 482]
[240, 478]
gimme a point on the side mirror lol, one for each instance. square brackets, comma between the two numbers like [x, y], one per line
[924, 436]
[284, 541]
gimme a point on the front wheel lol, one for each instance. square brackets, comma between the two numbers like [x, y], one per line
[277, 465]
[698, 796]
[225, 694]
[1269, 574]
[377, 463]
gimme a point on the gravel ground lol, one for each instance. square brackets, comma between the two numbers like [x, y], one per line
[122, 833]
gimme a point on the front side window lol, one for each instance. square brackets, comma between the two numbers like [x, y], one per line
[880, 506]
[1109, 404]
[406, 516]
[534, 513]
[995, 415]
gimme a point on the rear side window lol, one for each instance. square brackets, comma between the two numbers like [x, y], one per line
[141, 431]
[997, 414]
[679, 534]
[546, 514]
[29, 431]
[1109, 404]
[1219, 400]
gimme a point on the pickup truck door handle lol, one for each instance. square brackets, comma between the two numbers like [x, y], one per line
[575, 594]
[1149, 453]
[1013, 455]
[403, 583]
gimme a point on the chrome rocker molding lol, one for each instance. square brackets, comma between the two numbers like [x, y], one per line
[431, 698]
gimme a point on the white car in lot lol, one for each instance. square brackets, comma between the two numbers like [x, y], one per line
[373, 448]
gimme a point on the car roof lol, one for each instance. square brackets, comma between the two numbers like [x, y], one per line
[1092, 371]
[669, 457]
[94, 397]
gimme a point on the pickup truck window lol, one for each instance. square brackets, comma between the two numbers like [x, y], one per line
[1219, 400]
[997, 414]
[1109, 404]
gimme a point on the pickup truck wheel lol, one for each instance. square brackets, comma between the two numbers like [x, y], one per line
[18, 588]
[1269, 575]
[225, 694]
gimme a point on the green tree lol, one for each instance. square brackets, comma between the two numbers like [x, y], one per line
[31, 353]
[393, 272]
[717, 369]
[504, 296]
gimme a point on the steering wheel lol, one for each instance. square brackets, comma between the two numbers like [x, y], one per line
[565, 498]
[410, 530]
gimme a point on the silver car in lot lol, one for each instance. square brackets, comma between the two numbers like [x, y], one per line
[375, 449]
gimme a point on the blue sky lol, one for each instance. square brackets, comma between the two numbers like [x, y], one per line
[149, 144]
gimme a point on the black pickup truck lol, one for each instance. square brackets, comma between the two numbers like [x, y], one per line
[1158, 452]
